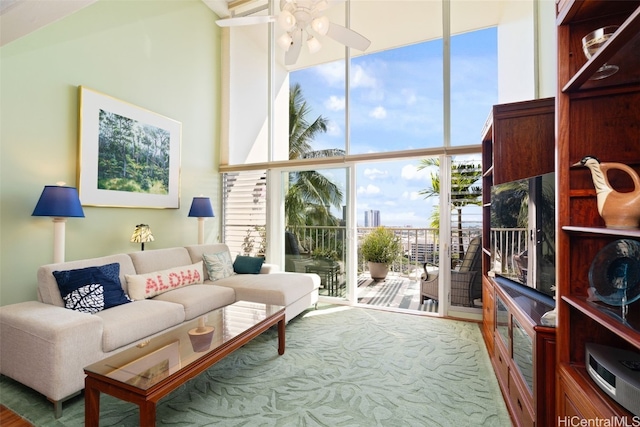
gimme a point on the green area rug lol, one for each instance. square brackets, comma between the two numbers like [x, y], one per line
[343, 366]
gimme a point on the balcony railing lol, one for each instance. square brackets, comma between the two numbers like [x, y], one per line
[505, 243]
[419, 245]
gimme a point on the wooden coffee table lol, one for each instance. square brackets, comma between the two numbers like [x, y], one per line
[151, 370]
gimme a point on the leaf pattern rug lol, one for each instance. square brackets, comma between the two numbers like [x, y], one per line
[343, 366]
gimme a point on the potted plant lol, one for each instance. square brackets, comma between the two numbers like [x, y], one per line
[380, 248]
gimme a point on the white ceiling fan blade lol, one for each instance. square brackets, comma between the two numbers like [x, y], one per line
[291, 56]
[245, 20]
[348, 37]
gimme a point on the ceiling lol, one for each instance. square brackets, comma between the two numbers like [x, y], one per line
[21, 17]
[419, 21]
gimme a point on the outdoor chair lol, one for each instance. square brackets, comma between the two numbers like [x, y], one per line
[293, 258]
[466, 282]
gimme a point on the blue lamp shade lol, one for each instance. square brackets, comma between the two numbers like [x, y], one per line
[59, 201]
[201, 208]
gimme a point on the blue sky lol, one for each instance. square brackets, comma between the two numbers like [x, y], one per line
[397, 104]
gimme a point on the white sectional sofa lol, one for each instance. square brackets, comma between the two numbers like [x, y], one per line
[45, 346]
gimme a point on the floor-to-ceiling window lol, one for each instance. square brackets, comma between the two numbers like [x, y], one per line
[419, 91]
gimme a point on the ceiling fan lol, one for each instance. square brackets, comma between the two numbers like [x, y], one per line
[300, 17]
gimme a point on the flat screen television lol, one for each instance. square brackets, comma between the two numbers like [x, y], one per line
[523, 232]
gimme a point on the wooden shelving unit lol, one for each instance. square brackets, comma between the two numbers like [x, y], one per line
[600, 118]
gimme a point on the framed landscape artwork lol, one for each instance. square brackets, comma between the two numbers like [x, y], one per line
[128, 156]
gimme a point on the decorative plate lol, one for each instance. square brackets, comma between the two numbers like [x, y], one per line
[615, 272]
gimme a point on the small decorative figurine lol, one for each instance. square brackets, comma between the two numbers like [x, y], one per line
[617, 209]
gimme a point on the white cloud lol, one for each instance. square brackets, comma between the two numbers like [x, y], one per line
[375, 173]
[378, 113]
[360, 77]
[411, 172]
[368, 190]
[332, 73]
[412, 195]
[333, 129]
[335, 103]
[410, 97]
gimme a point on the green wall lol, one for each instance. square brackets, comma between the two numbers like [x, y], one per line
[163, 56]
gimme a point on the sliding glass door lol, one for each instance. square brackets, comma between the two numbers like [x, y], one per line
[316, 227]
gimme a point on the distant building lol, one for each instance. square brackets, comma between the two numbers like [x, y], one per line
[421, 252]
[372, 218]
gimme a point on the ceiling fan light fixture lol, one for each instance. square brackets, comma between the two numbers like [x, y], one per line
[284, 41]
[320, 25]
[286, 20]
[313, 44]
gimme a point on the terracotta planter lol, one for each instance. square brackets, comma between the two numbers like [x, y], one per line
[378, 270]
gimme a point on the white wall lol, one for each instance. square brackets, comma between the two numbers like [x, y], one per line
[547, 49]
[248, 134]
[516, 53]
[160, 55]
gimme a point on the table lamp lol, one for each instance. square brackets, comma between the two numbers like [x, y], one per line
[59, 202]
[142, 234]
[201, 208]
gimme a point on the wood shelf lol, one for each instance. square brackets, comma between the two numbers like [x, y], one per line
[610, 318]
[625, 41]
[622, 232]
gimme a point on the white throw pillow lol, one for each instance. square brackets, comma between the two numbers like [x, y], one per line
[141, 286]
[219, 265]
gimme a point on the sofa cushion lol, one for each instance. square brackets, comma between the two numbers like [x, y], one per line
[48, 290]
[132, 322]
[199, 299]
[247, 264]
[219, 265]
[148, 285]
[275, 288]
[107, 276]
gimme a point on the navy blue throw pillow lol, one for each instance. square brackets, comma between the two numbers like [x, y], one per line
[247, 264]
[108, 276]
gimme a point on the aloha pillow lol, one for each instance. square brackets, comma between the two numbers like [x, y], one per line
[141, 286]
[247, 264]
[106, 276]
[219, 265]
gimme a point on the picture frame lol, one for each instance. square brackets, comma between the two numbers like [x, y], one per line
[127, 156]
[151, 368]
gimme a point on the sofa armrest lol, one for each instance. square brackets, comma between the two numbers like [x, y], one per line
[46, 347]
[269, 268]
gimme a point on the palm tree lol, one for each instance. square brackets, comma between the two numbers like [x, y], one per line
[310, 194]
[464, 192]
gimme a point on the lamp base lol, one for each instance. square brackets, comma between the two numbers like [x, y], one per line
[58, 239]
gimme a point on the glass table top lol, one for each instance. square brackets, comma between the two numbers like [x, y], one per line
[153, 360]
